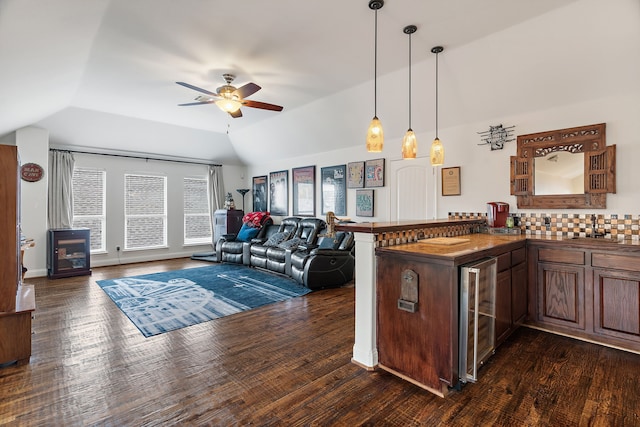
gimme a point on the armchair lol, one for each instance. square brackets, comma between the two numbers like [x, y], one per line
[328, 264]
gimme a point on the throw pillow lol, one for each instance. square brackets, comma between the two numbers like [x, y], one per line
[292, 243]
[276, 239]
[247, 233]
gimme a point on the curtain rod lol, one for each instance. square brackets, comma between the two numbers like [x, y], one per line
[134, 157]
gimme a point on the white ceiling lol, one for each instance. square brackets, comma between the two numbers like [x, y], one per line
[75, 65]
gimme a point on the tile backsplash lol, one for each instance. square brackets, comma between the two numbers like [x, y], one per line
[610, 226]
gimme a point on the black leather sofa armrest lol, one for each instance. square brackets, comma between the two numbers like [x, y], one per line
[329, 252]
[307, 247]
[228, 237]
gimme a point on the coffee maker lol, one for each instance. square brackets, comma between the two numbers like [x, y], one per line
[497, 213]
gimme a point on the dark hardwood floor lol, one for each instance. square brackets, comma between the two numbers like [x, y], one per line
[285, 364]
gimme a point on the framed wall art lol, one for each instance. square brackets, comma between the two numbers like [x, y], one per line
[451, 181]
[259, 190]
[304, 191]
[374, 173]
[279, 193]
[334, 189]
[364, 202]
[355, 175]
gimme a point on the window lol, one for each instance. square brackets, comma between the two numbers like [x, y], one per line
[89, 197]
[145, 211]
[197, 220]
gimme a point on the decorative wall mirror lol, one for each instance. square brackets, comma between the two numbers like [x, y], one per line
[564, 169]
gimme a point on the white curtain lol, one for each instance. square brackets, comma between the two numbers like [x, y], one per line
[60, 205]
[216, 195]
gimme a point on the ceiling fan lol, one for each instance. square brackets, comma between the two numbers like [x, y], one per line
[229, 98]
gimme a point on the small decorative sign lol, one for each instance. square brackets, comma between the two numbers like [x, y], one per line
[31, 172]
[451, 181]
[496, 136]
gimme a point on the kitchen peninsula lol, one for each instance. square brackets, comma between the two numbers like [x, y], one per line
[584, 288]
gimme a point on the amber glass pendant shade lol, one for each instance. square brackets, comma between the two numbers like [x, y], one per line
[437, 153]
[409, 145]
[375, 136]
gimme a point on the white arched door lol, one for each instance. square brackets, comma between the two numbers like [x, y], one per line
[408, 188]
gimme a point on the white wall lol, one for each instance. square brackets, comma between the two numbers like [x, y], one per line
[560, 70]
[33, 147]
[115, 168]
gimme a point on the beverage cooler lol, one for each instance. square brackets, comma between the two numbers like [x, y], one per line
[477, 316]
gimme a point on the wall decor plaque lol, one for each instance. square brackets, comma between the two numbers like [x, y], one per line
[31, 172]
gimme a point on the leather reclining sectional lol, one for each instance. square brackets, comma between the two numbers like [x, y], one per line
[297, 248]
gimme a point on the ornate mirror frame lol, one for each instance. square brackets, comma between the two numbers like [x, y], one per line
[599, 167]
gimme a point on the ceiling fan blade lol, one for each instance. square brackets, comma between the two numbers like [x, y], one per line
[236, 114]
[247, 90]
[262, 105]
[197, 88]
[195, 103]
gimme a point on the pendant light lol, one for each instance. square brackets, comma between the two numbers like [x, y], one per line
[375, 134]
[437, 150]
[409, 142]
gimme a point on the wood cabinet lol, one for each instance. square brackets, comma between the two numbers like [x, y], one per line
[418, 305]
[511, 292]
[16, 301]
[586, 289]
[419, 346]
[9, 227]
[68, 253]
[616, 296]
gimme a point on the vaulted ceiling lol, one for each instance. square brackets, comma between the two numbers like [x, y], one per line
[101, 73]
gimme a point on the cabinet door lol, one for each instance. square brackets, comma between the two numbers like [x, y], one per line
[617, 303]
[561, 295]
[503, 306]
[418, 344]
[518, 293]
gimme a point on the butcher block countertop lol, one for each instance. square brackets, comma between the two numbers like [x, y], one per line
[459, 249]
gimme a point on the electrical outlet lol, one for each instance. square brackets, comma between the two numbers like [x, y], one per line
[118, 248]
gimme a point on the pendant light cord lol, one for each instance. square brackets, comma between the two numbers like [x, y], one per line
[409, 80]
[436, 95]
[375, 67]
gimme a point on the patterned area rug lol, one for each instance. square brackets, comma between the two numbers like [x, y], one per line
[162, 302]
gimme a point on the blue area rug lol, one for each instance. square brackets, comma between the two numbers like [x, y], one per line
[162, 302]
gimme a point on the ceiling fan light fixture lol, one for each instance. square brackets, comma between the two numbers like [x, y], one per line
[375, 134]
[228, 105]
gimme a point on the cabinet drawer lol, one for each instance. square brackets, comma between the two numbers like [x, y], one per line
[504, 262]
[518, 256]
[620, 262]
[561, 255]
